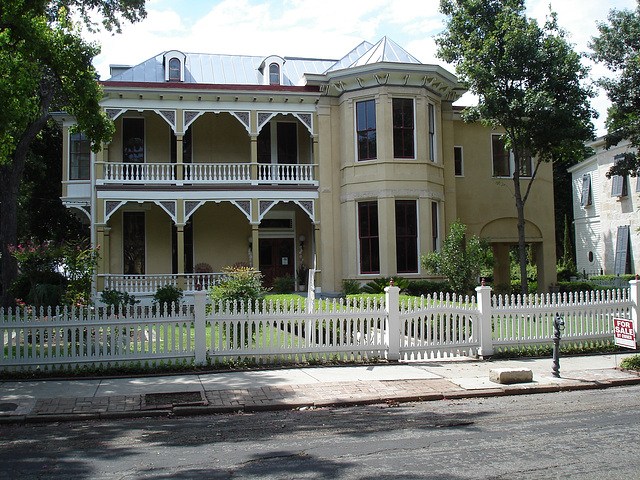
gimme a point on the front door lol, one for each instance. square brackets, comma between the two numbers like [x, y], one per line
[277, 258]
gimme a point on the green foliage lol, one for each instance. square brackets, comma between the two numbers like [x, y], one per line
[631, 363]
[66, 269]
[618, 49]
[41, 214]
[284, 284]
[351, 286]
[459, 260]
[567, 247]
[79, 263]
[379, 284]
[528, 80]
[425, 287]
[167, 296]
[564, 274]
[116, 300]
[46, 65]
[243, 284]
[566, 348]
[626, 278]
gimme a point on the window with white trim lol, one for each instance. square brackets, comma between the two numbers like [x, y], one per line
[274, 74]
[403, 128]
[366, 129]
[79, 157]
[435, 227]
[406, 236]
[368, 237]
[174, 70]
[503, 160]
[457, 160]
[432, 132]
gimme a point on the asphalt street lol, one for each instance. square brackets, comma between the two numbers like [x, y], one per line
[590, 434]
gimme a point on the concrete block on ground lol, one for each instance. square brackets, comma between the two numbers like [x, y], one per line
[510, 375]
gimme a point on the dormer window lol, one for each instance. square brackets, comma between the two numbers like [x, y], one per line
[174, 65]
[274, 74]
[271, 69]
[174, 70]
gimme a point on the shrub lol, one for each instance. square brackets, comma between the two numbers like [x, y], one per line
[284, 284]
[166, 297]
[564, 274]
[379, 284]
[631, 363]
[351, 286]
[116, 300]
[460, 259]
[566, 287]
[243, 284]
[425, 287]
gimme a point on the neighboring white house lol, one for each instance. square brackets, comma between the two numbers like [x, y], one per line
[606, 214]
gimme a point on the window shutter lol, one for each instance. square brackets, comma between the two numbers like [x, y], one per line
[618, 182]
[617, 185]
[622, 251]
[638, 184]
[586, 190]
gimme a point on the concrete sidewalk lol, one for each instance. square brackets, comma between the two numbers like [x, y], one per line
[288, 388]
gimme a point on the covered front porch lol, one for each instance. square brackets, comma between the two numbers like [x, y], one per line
[188, 244]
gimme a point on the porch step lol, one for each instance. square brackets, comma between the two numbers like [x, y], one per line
[510, 375]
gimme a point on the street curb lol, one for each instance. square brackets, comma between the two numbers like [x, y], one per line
[195, 410]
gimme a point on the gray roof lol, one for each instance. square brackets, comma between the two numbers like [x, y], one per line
[244, 70]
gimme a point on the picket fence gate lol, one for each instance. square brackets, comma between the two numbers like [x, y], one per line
[266, 332]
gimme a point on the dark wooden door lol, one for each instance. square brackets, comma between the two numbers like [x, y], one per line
[277, 258]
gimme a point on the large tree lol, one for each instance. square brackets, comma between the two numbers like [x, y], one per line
[528, 80]
[618, 47]
[44, 61]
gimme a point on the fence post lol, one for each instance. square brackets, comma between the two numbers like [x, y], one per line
[199, 324]
[392, 309]
[634, 291]
[484, 329]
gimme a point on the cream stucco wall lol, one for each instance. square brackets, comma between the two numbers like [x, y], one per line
[486, 204]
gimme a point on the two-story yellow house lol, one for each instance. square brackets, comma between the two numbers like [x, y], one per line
[359, 163]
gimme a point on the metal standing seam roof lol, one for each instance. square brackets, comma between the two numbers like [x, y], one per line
[244, 70]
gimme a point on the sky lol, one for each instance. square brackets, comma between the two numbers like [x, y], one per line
[325, 29]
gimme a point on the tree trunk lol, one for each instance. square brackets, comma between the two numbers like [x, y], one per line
[522, 250]
[10, 178]
[9, 226]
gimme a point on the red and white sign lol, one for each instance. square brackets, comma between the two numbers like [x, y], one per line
[623, 333]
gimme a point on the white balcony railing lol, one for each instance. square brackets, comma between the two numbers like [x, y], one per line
[217, 172]
[138, 173]
[205, 173]
[298, 174]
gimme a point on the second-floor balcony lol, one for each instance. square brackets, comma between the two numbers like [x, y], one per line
[119, 173]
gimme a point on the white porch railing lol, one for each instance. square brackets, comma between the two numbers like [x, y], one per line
[205, 173]
[149, 284]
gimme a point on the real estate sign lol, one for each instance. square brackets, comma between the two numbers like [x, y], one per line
[623, 333]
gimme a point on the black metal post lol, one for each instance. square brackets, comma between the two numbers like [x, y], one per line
[558, 326]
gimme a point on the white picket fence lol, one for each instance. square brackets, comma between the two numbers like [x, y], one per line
[425, 328]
